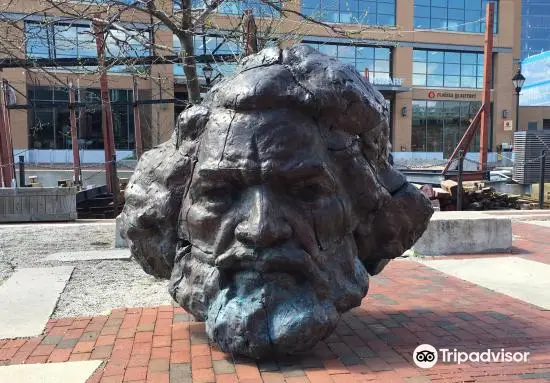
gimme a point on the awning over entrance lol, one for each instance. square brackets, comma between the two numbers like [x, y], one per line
[392, 88]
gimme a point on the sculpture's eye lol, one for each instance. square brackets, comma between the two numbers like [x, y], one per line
[310, 192]
[215, 198]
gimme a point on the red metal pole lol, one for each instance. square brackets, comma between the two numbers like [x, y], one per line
[137, 122]
[4, 159]
[466, 139]
[108, 137]
[6, 149]
[74, 136]
[486, 96]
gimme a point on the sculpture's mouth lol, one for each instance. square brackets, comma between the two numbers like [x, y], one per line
[274, 264]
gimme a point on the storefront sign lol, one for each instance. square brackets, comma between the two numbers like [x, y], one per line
[388, 81]
[452, 95]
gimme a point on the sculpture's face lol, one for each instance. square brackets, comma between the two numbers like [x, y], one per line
[273, 260]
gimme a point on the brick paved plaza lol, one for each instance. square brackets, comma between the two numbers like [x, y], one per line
[407, 305]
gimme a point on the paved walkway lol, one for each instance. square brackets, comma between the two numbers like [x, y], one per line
[408, 304]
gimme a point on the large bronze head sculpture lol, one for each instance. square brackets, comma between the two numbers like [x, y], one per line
[273, 202]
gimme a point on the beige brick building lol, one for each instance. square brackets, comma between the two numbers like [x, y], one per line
[425, 56]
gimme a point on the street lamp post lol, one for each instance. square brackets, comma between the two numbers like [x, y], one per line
[207, 72]
[518, 80]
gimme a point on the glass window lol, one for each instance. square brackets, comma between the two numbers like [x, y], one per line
[438, 126]
[447, 69]
[452, 15]
[209, 45]
[419, 80]
[468, 82]
[77, 41]
[419, 68]
[435, 56]
[452, 81]
[374, 12]
[376, 59]
[39, 40]
[49, 126]
[237, 7]
[453, 69]
[468, 70]
[435, 80]
[435, 68]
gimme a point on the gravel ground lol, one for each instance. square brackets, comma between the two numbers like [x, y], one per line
[95, 287]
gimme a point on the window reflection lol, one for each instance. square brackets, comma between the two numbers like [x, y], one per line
[212, 45]
[438, 126]
[447, 69]
[54, 41]
[373, 12]
[49, 126]
[452, 15]
[375, 59]
[237, 7]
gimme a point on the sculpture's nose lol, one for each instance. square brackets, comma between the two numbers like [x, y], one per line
[264, 225]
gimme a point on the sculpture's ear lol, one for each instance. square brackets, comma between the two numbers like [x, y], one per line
[396, 227]
[154, 195]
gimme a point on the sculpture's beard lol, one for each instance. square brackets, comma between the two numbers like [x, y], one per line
[272, 310]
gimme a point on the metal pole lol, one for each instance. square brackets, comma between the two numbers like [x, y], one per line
[459, 180]
[108, 137]
[7, 167]
[114, 182]
[7, 125]
[74, 136]
[137, 122]
[486, 95]
[517, 110]
[22, 182]
[541, 187]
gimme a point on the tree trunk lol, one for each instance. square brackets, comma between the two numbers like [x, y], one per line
[187, 55]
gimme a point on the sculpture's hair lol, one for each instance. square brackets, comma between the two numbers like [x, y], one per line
[355, 120]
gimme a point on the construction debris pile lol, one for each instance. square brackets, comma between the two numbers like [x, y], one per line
[475, 196]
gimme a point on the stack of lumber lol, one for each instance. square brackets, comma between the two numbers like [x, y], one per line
[475, 196]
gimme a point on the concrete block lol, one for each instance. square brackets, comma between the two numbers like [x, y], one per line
[28, 298]
[120, 243]
[37, 204]
[465, 233]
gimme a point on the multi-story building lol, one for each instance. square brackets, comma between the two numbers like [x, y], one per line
[535, 27]
[424, 56]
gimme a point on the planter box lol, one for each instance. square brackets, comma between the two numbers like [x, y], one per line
[37, 204]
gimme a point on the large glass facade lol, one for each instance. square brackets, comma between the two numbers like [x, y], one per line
[211, 45]
[55, 41]
[535, 27]
[438, 126]
[446, 69]
[369, 12]
[452, 15]
[49, 126]
[237, 7]
[376, 59]
[536, 90]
